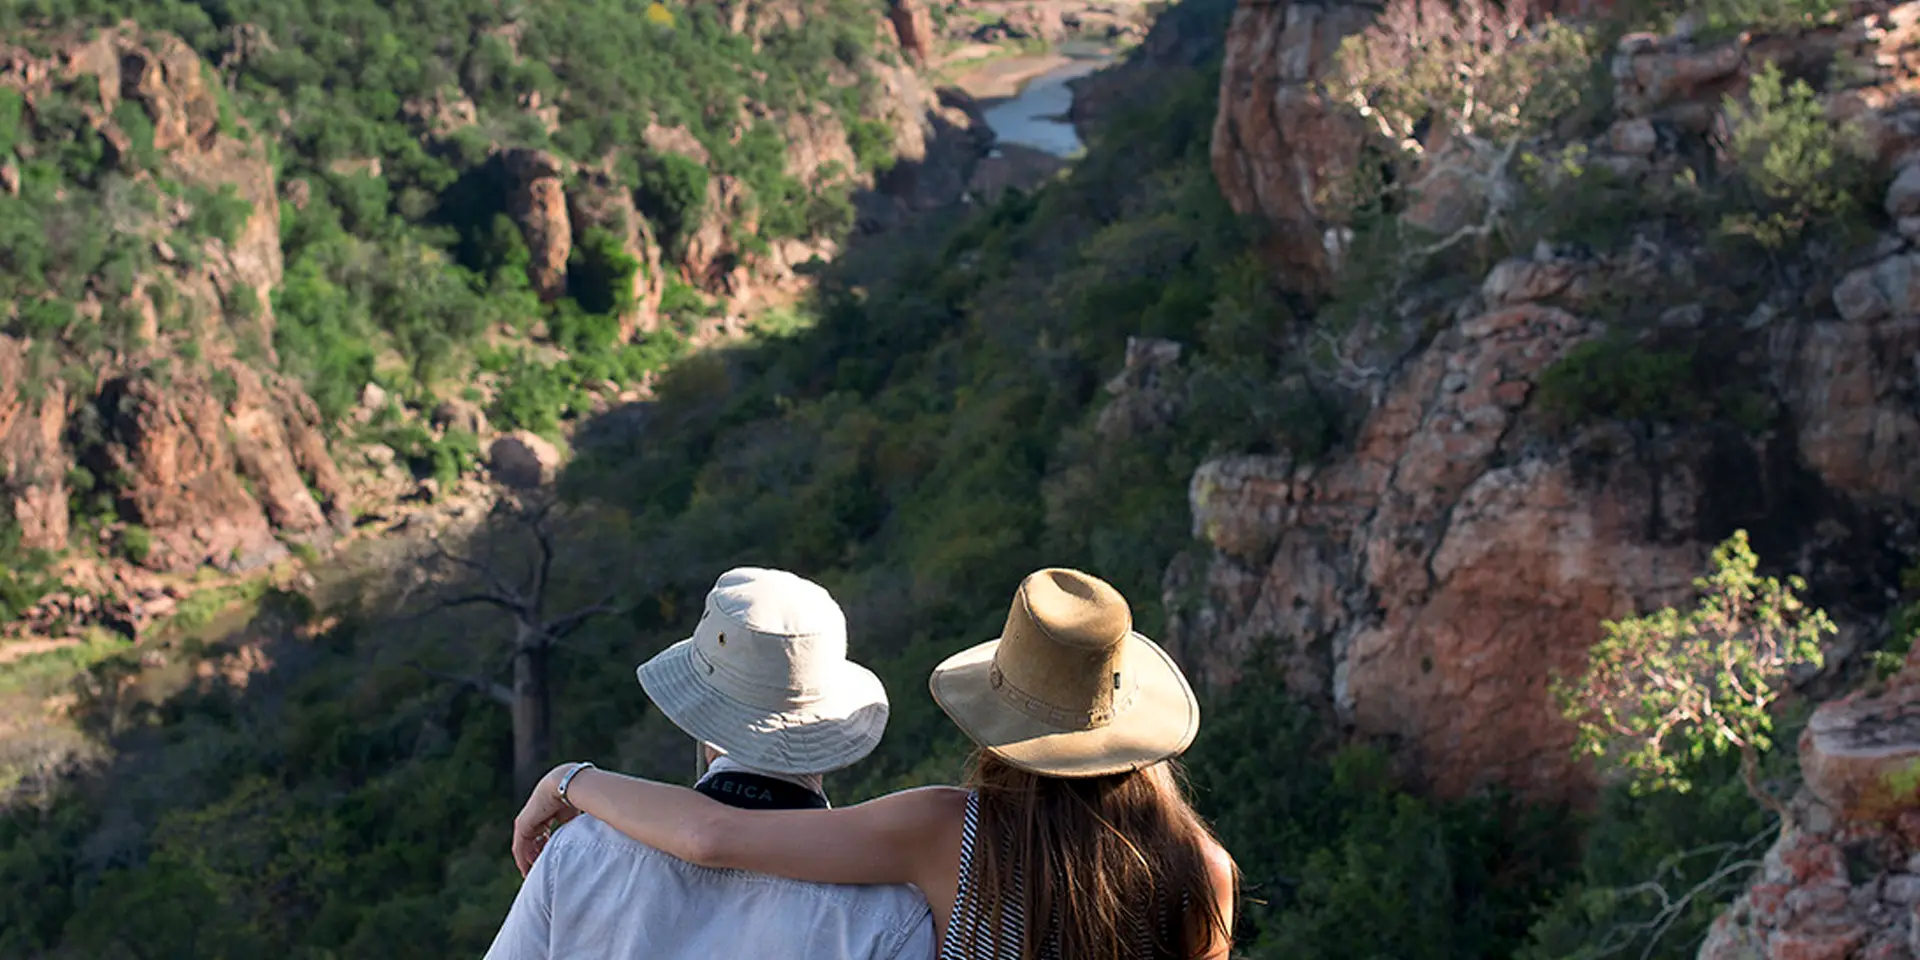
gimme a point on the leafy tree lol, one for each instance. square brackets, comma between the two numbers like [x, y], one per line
[673, 194]
[1674, 686]
[1478, 75]
[1799, 170]
[25, 574]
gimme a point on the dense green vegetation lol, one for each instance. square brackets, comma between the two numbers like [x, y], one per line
[923, 436]
[399, 251]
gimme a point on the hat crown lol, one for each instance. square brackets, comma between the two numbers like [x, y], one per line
[770, 638]
[1062, 657]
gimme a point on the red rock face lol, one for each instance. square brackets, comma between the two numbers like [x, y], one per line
[215, 473]
[33, 455]
[1277, 142]
[1861, 755]
[913, 28]
[537, 201]
[1830, 888]
[1432, 582]
[211, 477]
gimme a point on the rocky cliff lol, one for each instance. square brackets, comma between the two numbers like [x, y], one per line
[1429, 578]
[934, 143]
[154, 422]
[214, 458]
[1843, 878]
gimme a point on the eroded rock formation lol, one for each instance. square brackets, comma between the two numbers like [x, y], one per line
[912, 28]
[219, 461]
[1428, 581]
[1278, 142]
[537, 201]
[1843, 880]
[33, 453]
[218, 466]
[1431, 580]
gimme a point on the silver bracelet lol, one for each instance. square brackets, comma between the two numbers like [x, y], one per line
[567, 780]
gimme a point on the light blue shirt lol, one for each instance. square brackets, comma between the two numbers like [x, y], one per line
[597, 894]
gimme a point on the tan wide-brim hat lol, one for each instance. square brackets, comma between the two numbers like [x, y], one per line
[1069, 689]
[765, 677]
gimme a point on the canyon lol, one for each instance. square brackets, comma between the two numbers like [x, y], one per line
[1004, 360]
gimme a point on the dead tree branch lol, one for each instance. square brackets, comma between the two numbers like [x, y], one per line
[498, 692]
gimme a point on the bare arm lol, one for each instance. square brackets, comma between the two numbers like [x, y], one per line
[1224, 877]
[880, 841]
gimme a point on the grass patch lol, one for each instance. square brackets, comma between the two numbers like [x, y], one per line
[45, 672]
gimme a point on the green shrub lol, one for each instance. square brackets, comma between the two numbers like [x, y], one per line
[133, 121]
[12, 129]
[534, 396]
[217, 213]
[1656, 869]
[1330, 842]
[1795, 170]
[136, 542]
[1674, 686]
[447, 459]
[1615, 377]
[872, 143]
[600, 275]
[673, 195]
[1722, 18]
[25, 574]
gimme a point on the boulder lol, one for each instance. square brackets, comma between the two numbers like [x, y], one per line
[1634, 137]
[1145, 396]
[523, 460]
[458, 415]
[1903, 196]
[1846, 376]
[1861, 754]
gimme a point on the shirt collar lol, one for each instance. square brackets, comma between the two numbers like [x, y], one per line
[726, 764]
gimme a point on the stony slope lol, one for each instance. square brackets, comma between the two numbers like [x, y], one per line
[165, 414]
[1427, 579]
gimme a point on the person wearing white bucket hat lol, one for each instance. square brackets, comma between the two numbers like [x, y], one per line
[765, 688]
[1072, 838]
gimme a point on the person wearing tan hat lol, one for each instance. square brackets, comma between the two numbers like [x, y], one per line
[1071, 839]
[765, 688]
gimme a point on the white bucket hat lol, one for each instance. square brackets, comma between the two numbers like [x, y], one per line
[765, 677]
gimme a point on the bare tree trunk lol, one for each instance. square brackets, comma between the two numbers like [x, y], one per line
[530, 701]
[1750, 776]
[532, 714]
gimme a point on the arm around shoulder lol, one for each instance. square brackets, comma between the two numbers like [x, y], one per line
[881, 841]
[890, 839]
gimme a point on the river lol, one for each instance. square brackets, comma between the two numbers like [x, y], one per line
[1036, 117]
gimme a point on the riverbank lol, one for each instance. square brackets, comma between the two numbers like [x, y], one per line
[997, 75]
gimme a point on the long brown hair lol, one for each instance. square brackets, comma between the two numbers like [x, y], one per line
[1096, 867]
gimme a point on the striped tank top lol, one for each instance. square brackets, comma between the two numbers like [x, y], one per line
[972, 920]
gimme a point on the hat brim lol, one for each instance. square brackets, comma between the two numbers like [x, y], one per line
[836, 731]
[1159, 724]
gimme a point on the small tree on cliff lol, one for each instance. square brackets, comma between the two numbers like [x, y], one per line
[528, 533]
[1458, 83]
[1675, 686]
